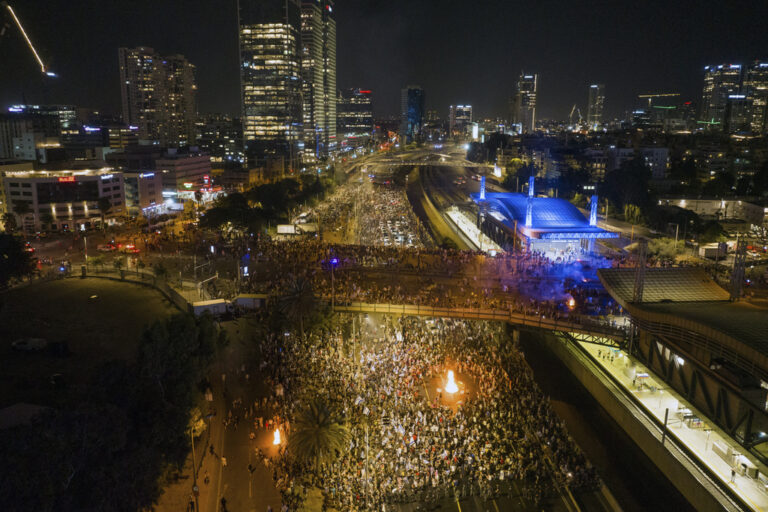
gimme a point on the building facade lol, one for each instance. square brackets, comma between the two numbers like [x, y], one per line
[158, 95]
[524, 103]
[38, 122]
[221, 136]
[459, 117]
[655, 158]
[183, 171]
[354, 117]
[595, 105]
[721, 83]
[270, 77]
[755, 87]
[411, 112]
[62, 200]
[318, 71]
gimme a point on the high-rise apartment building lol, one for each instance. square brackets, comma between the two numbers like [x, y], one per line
[158, 95]
[459, 116]
[720, 83]
[354, 117]
[270, 77]
[755, 87]
[595, 106]
[411, 112]
[318, 71]
[524, 103]
[179, 110]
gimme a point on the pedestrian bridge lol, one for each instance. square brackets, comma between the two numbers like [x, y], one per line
[585, 328]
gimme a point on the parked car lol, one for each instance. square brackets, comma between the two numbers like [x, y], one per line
[29, 344]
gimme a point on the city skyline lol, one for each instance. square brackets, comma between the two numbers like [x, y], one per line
[376, 51]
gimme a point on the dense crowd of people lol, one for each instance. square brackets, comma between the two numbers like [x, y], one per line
[523, 284]
[412, 441]
[382, 215]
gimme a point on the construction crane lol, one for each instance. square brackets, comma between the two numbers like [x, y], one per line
[570, 116]
[43, 68]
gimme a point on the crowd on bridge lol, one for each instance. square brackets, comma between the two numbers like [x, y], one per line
[409, 444]
[521, 284]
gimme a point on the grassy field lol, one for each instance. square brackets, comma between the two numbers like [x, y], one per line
[100, 319]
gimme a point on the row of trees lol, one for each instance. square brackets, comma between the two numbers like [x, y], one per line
[110, 451]
[267, 203]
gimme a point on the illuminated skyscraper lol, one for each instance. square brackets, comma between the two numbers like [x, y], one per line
[720, 83]
[411, 112]
[179, 112]
[141, 90]
[354, 117]
[524, 103]
[459, 116]
[158, 95]
[270, 77]
[595, 106]
[756, 90]
[318, 71]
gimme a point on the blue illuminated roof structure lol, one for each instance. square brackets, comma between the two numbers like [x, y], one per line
[552, 218]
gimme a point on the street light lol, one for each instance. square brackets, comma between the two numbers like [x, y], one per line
[334, 262]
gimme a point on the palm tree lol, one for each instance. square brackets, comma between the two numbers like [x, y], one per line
[105, 204]
[21, 208]
[317, 435]
[298, 302]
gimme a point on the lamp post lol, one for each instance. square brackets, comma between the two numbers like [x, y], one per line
[334, 262]
[85, 242]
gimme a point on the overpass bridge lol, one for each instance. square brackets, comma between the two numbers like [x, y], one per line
[430, 163]
[580, 327]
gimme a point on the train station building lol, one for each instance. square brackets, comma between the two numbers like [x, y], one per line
[548, 225]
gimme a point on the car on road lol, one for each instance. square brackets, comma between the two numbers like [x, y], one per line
[28, 247]
[129, 249]
[29, 344]
[106, 248]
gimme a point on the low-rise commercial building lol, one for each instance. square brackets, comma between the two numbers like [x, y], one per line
[63, 200]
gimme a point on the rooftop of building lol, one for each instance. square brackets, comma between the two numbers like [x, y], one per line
[550, 217]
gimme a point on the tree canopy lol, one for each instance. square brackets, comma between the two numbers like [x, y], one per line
[109, 451]
[15, 263]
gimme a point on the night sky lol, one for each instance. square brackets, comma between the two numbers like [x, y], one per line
[459, 51]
